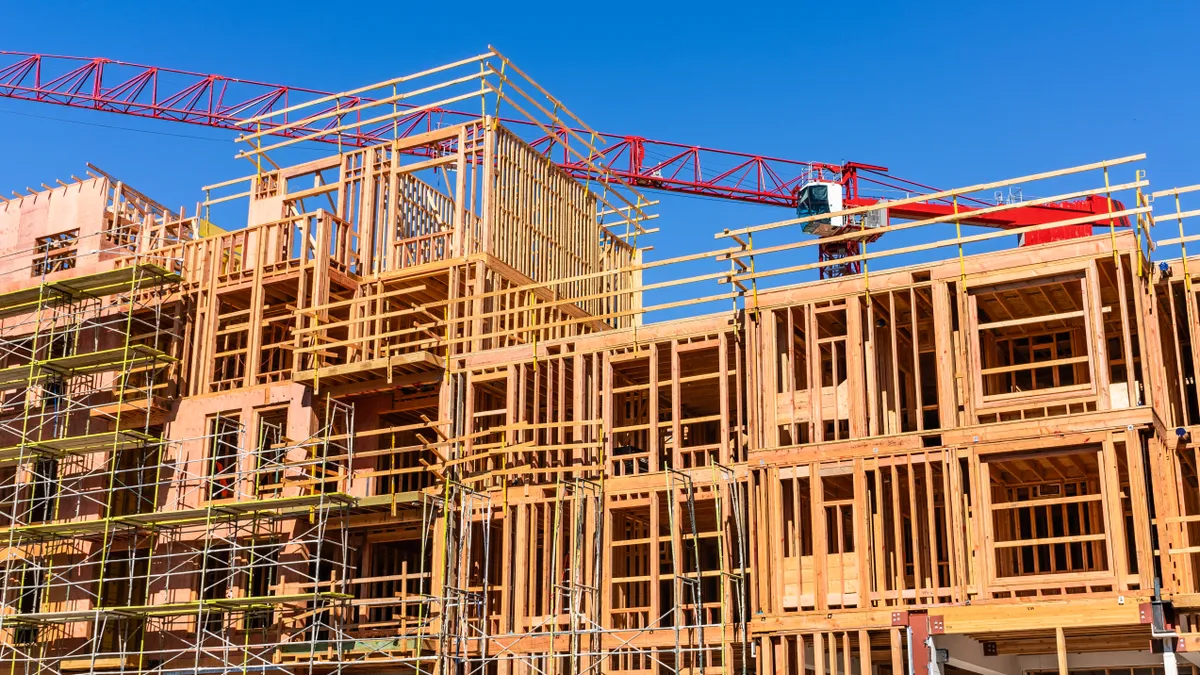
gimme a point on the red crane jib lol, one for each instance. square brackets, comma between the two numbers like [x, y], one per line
[103, 84]
[1020, 216]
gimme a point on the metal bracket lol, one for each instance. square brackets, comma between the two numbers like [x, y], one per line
[937, 625]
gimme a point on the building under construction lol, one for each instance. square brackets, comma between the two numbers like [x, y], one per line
[420, 412]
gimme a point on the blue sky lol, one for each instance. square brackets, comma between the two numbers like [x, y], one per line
[944, 93]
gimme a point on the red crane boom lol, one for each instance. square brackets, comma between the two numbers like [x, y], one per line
[95, 83]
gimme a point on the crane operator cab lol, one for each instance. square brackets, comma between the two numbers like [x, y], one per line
[818, 198]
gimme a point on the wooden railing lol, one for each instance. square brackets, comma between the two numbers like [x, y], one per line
[276, 247]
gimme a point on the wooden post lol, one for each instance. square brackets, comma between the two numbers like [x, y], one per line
[1060, 647]
[947, 374]
[856, 371]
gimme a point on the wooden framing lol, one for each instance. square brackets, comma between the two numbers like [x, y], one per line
[537, 478]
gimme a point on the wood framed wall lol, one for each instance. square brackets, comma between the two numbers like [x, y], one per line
[979, 448]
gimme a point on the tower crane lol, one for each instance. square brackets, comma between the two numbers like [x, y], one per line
[808, 188]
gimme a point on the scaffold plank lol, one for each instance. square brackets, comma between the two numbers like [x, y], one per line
[139, 276]
[118, 358]
[246, 604]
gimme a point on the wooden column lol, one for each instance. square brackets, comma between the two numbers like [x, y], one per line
[1097, 341]
[820, 537]
[1060, 648]
[946, 363]
[856, 389]
[676, 410]
[653, 402]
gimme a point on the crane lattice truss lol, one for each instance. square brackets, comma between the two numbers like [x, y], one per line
[224, 102]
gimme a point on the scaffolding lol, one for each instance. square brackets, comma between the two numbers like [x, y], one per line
[461, 604]
[247, 579]
[88, 363]
[109, 526]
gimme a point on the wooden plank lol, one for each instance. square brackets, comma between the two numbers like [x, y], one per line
[1043, 615]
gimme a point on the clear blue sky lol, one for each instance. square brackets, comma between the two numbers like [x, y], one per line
[944, 93]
